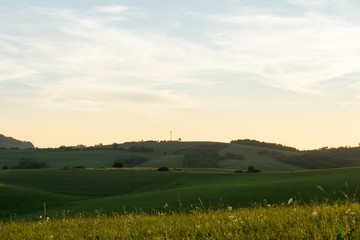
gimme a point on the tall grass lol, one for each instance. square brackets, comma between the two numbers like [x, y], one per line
[339, 220]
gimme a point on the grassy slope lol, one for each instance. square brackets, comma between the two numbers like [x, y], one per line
[315, 221]
[165, 154]
[118, 190]
[18, 200]
[266, 163]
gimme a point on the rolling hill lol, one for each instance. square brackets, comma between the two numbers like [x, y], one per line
[237, 155]
[9, 142]
[202, 174]
[153, 154]
[29, 193]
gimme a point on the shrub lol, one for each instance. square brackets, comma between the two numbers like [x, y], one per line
[118, 164]
[252, 169]
[163, 169]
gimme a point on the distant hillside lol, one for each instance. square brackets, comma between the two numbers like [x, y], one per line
[256, 143]
[9, 142]
[238, 155]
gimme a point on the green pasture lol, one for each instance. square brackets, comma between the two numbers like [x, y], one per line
[169, 154]
[25, 192]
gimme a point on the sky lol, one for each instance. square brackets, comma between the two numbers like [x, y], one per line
[90, 71]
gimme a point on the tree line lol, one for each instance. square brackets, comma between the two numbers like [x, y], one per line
[256, 143]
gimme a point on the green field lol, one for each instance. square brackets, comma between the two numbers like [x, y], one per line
[25, 192]
[168, 154]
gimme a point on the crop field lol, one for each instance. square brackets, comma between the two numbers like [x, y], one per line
[27, 193]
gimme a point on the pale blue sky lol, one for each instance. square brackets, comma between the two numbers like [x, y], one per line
[85, 72]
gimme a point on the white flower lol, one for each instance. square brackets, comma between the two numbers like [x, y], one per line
[314, 214]
[230, 208]
[290, 201]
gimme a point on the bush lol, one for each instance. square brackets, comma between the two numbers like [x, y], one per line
[163, 169]
[118, 164]
[6, 167]
[252, 169]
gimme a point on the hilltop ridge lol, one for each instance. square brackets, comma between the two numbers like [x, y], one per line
[9, 142]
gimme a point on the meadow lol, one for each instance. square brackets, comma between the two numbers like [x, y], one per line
[24, 193]
[288, 221]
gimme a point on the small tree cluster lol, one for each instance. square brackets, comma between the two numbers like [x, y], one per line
[252, 169]
[118, 164]
[163, 169]
[28, 163]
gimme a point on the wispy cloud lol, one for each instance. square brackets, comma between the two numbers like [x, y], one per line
[84, 58]
[295, 53]
[114, 9]
[88, 62]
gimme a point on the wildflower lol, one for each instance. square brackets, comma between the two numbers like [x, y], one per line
[47, 219]
[230, 208]
[348, 211]
[314, 214]
[40, 216]
[290, 201]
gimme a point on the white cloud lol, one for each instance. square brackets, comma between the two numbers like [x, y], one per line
[313, 2]
[83, 58]
[295, 53]
[114, 9]
[88, 62]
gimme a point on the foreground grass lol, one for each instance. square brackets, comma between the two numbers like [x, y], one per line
[313, 221]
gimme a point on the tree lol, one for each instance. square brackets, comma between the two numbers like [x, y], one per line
[118, 164]
[163, 169]
[252, 169]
